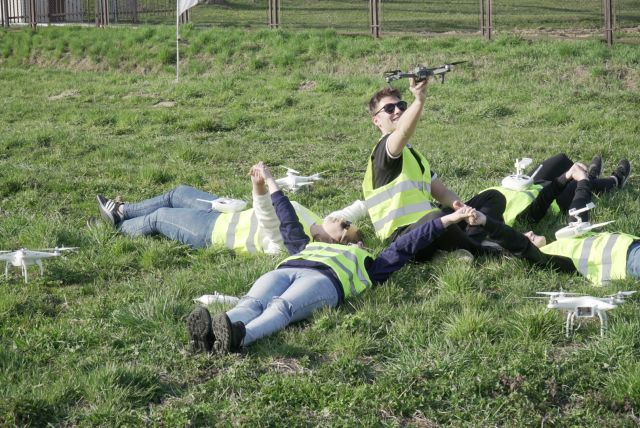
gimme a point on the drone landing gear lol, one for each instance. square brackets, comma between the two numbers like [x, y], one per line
[602, 315]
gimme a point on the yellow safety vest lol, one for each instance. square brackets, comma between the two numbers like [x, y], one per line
[241, 231]
[601, 257]
[519, 200]
[346, 261]
[403, 201]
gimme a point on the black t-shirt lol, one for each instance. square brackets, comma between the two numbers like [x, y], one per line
[385, 168]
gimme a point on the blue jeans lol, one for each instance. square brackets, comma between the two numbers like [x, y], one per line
[177, 214]
[281, 297]
[633, 260]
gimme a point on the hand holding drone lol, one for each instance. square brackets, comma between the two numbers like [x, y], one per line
[420, 73]
[579, 227]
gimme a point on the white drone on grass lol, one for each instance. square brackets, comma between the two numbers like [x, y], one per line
[581, 306]
[23, 258]
[520, 181]
[579, 227]
[294, 182]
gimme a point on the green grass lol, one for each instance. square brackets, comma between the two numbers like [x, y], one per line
[100, 338]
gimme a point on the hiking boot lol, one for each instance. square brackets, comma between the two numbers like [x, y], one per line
[109, 210]
[595, 168]
[200, 330]
[228, 335]
[622, 172]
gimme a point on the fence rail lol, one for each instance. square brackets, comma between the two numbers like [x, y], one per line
[376, 17]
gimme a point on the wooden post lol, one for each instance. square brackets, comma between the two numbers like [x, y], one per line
[374, 18]
[608, 22]
[33, 18]
[5, 14]
[486, 18]
[102, 13]
[274, 13]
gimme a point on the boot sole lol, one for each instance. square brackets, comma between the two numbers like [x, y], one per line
[200, 331]
[222, 331]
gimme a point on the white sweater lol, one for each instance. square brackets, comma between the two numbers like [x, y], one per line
[269, 225]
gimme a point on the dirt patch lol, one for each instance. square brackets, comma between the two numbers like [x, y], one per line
[287, 366]
[70, 93]
[307, 85]
[162, 104]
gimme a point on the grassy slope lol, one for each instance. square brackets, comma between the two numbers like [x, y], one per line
[100, 338]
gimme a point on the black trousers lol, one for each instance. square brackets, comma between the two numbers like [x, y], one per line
[559, 164]
[490, 202]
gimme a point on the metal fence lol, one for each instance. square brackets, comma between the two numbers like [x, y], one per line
[100, 12]
[377, 17]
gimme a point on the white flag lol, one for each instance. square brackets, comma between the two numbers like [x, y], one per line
[184, 5]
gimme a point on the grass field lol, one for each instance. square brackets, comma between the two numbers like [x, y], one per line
[100, 339]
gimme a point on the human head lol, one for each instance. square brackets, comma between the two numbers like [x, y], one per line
[386, 122]
[537, 240]
[338, 231]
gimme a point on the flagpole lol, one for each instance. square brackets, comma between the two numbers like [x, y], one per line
[177, 40]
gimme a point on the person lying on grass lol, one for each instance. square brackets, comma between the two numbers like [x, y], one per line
[599, 256]
[315, 275]
[519, 203]
[184, 214]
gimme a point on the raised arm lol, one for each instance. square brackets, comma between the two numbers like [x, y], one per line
[409, 120]
[265, 213]
[295, 240]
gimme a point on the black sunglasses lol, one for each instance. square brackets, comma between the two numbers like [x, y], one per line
[391, 107]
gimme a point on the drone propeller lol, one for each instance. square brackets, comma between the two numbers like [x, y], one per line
[536, 298]
[290, 170]
[59, 249]
[622, 294]
[556, 293]
[457, 62]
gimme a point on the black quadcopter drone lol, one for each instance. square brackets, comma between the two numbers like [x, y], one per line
[421, 73]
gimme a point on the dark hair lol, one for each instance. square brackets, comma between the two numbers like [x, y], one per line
[384, 92]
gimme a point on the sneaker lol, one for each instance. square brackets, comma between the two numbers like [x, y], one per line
[200, 330]
[595, 168]
[228, 335]
[622, 173]
[109, 210]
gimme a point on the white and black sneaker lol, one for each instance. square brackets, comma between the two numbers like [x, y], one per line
[595, 168]
[622, 173]
[109, 210]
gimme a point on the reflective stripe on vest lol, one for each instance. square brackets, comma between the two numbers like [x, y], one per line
[347, 262]
[519, 200]
[237, 231]
[241, 231]
[404, 200]
[601, 257]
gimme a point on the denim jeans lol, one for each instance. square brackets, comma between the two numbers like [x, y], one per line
[281, 297]
[633, 260]
[177, 214]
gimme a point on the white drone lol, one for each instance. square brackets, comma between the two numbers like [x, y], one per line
[579, 227]
[23, 258]
[520, 181]
[580, 306]
[225, 205]
[295, 182]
